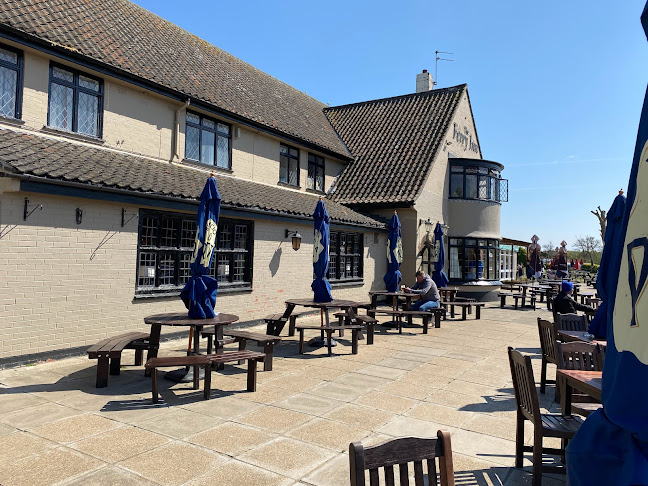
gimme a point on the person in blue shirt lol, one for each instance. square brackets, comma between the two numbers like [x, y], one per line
[427, 289]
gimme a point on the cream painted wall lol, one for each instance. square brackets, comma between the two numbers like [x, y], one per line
[474, 218]
[141, 122]
[255, 157]
[434, 202]
[134, 120]
[65, 285]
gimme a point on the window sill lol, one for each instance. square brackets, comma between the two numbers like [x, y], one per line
[195, 163]
[73, 135]
[315, 191]
[474, 200]
[16, 122]
[161, 294]
[285, 184]
[352, 282]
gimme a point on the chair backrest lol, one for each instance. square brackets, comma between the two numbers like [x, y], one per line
[400, 452]
[571, 322]
[548, 339]
[580, 356]
[526, 395]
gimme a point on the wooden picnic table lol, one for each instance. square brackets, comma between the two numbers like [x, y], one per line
[180, 319]
[570, 336]
[396, 296]
[588, 382]
[448, 294]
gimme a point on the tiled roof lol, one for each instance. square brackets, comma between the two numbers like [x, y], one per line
[55, 160]
[393, 141]
[125, 36]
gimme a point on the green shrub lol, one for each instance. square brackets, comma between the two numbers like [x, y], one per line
[588, 267]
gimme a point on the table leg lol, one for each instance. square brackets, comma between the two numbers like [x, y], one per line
[154, 345]
[218, 345]
[566, 397]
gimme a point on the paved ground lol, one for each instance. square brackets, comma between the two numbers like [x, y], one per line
[57, 428]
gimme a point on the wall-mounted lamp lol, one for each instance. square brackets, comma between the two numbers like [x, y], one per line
[79, 215]
[429, 226]
[296, 239]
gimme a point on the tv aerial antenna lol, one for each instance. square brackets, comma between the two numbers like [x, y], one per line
[436, 62]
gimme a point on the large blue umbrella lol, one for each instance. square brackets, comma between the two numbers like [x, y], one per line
[439, 276]
[394, 255]
[611, 447]
[199, 293]
[321, 287]
[598, 326]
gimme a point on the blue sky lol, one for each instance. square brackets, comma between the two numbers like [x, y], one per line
[556, 87]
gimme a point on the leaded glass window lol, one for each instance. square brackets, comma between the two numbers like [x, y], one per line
[288, 165]
[477, 182]
[75, 101]
[208, 141]
[345, 256]
[315, 173]
[11, 63]
[166, 242]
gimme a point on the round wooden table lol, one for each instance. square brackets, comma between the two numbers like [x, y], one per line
[181, 319]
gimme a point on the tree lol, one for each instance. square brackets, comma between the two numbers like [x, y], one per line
[602, 217]
[588, 246]
[522, 256]
[548, 249]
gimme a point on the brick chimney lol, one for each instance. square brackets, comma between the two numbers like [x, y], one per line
[424, 82]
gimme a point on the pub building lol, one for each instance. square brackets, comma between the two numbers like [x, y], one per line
[112, 118]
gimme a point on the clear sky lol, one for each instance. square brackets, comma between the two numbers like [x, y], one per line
[556, 87]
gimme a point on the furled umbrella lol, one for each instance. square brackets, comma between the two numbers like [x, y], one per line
[438, 275]
[611, 447]
[394, 254]
[576, 264]
[598, 326]
[199, 293]
[321, 287]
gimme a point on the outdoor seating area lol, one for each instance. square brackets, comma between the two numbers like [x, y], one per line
[294, 422]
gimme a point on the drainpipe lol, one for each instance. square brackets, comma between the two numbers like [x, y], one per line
[176, 130]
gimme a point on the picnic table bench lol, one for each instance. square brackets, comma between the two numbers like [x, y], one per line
[108, 352]
[329, 330]
[345, 320]
[517, 298]
[409, 314]
[464, 308]
[207, 361]
[264, 340]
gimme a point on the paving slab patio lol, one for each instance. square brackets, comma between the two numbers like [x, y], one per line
[294, 430]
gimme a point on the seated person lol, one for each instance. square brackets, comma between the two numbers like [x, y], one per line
[427, 289]
[565, 304]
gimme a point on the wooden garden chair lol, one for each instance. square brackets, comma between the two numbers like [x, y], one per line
[544, 424]
[400, 452]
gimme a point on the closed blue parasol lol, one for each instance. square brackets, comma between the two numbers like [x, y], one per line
[199, 293]
[439, 276]
[598, 326]
[394, 255]
[321, 287]
[611, 447]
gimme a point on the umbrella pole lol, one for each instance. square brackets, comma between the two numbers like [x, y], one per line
[191, 332]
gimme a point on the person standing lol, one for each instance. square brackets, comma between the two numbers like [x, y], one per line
[427, 290]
